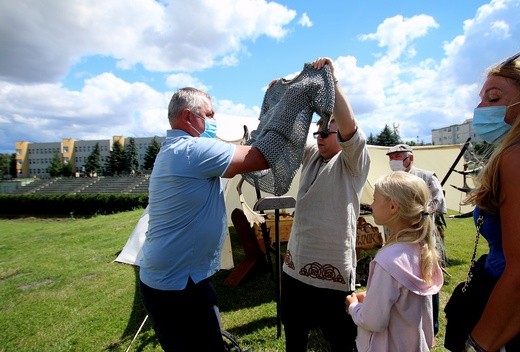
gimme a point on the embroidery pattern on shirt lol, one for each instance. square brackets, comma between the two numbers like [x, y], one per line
[288, 260]
[322, 272]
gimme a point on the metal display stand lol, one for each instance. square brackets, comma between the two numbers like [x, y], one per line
[276, 203]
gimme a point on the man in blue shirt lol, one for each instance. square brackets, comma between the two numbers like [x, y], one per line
[187, 225]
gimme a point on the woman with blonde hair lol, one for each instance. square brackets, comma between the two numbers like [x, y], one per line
[395, 312]
[496, 119]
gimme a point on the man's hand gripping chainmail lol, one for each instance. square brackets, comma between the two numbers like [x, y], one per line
[285, 120]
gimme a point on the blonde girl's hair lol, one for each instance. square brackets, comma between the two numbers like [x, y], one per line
[487, 194]
[412, 196]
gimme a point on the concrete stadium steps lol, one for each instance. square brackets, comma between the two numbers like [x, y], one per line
[115, 184]
[66, 185]
[87, 185]
[34, 186]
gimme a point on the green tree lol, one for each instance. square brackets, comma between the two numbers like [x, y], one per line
[151, 154]
[93, 164]
[56, 166]
[115, 163]
[66, 170]
[131, 158]
[5, 160]
[371, 139]
[388, 137]
[12, 166]
[413, 143]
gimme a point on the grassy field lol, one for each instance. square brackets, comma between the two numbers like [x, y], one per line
[61, 291]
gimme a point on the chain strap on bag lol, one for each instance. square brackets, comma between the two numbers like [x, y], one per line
[480, 222]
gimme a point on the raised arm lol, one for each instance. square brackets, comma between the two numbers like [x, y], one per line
[343, 113]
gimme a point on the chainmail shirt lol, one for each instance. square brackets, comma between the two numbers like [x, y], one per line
[285, 120]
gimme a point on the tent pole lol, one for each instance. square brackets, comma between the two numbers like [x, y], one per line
[137, 333]
[462, 150]
[276, 203]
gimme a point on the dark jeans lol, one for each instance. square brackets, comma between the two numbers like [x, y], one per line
[305, 307]
[186, 320]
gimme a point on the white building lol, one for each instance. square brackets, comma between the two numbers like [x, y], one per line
[34, 159]
[455, 134]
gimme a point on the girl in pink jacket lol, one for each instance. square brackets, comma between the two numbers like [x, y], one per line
[395, 312]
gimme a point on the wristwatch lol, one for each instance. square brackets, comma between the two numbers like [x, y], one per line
[472, 346]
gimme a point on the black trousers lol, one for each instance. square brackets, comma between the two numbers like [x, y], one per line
[435, 305]
[305, 307]
[179, 316]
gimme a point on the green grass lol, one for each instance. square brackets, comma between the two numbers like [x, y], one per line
[61, 291]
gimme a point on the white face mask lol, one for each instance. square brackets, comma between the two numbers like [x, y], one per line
[397, 165]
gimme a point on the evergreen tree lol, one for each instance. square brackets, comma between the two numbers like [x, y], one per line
[93, 164]
[151, 154]
[387, 137]
[5, 160]
[66, 170]
[115, 163]
[412, 143]
[131, 158]
[12, 166]
[56, 166]
[371, 139]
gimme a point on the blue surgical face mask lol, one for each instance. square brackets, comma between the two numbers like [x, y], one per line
[210, 127]
[489, 124]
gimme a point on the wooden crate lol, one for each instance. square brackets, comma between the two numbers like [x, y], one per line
[285, 226]
[368, 236]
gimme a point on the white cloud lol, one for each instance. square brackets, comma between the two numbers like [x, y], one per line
[179, 80]
[42, 39]
[420, 96]
[106, 106]
[396, 33]
[305, 21]
[183, 38]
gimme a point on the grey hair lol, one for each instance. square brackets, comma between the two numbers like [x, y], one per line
[185, 98]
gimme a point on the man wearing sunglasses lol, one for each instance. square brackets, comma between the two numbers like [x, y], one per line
[320, 262]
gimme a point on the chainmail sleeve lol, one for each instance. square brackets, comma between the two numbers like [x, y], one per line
[285, 119]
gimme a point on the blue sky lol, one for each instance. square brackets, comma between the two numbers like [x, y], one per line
[94, 69]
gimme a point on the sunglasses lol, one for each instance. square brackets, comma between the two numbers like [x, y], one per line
[322, 134]
[510, 59]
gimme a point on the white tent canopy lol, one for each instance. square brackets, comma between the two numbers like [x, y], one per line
[435, 158]
[438, 159]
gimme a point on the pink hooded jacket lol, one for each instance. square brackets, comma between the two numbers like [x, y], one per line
[396, 314]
